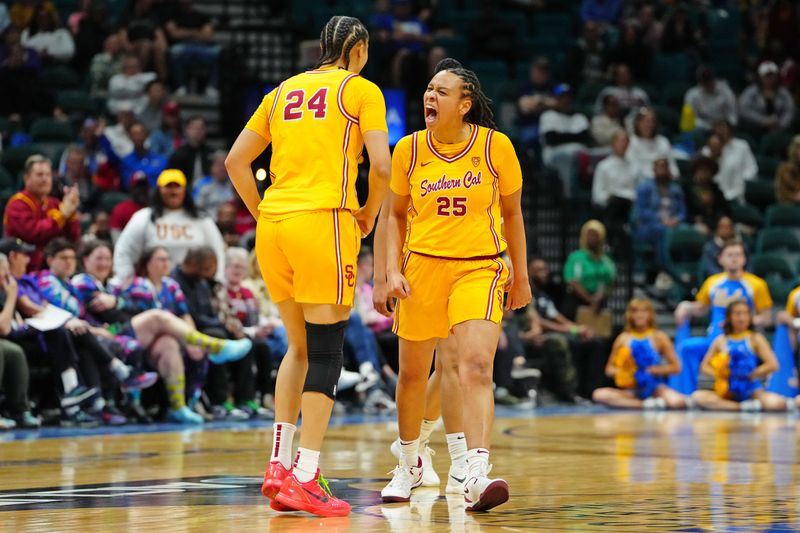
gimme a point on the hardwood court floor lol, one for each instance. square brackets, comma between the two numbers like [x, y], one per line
[569, 470]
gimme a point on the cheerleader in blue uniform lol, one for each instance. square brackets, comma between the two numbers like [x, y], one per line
[739, 360]
[641, 359]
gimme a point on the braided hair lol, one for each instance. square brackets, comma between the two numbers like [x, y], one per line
[481, 111]
[338, 38]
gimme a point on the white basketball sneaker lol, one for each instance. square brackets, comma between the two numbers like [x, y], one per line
[456, 478]
[429, 476]
[404, 480]
[482, 493]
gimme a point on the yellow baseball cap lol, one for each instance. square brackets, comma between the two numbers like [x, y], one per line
[171, 175]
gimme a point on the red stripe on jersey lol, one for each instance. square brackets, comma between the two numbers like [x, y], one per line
[340, 100]
[339, 280]
[489, 152]
[474, 136]
[396, 324]
[490, 305]
[275, 102]
[494, 190]
[346, 165]
[413, 155]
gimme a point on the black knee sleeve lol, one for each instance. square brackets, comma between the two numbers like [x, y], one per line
[325, 345]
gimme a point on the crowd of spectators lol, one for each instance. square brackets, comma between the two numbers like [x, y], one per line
[134, 231]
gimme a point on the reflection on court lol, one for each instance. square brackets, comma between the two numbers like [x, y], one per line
[568, 471]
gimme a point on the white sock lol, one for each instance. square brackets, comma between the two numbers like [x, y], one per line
[69, 378]
[306, 464]
[119, 369]
[457, 446]
[409, 453]
[477, 462]
[282, 437]
[425, 430]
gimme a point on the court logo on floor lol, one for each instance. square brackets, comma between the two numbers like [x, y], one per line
[213, 490]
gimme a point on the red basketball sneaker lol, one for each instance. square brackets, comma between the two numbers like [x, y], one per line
[312, 497]
[273, 479]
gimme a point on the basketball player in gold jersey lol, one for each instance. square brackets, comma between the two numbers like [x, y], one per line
[458, 178]
[307, 239]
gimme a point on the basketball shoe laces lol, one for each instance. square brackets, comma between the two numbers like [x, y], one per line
[323, 484]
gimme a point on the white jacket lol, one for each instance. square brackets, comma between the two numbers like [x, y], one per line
[175, 230]
[58, 44]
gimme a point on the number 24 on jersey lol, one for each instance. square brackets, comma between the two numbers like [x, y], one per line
[317, 105]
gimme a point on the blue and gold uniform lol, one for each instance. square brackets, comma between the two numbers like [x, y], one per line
[719, 290]
[733, 365]
[633, 359]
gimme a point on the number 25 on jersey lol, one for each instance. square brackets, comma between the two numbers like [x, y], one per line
[317, 104]
[456, 206]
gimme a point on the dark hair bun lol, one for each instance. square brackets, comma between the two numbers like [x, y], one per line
[447, 63]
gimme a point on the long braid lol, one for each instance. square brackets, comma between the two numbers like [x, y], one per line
[481, 112]
[338, 38]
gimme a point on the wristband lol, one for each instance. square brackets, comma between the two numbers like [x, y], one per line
[573, 330]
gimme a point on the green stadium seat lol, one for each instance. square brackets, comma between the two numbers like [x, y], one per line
[76, 102]
[760, 193]
[52, 150]
[775, 144]
[783, 215]
[13, 158]
[767, 166]
[60, 78]
[777, 240]
[455, 45]
[684, 250]
[8, 185]
[672, 94]
[587, 93]
[493, 75]
[47, 129]
[556, 24]
[670, 68]
[747, 215]
[771, 267]
[110, 199]
[780, 289]
[669, 119]
[651, 89]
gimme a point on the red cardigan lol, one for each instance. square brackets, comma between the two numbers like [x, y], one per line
[38, 223]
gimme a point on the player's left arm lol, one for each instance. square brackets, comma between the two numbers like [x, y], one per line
[769, 363]
[247, 147]
[506, 164]
[667, 351]
[519, 294]
[254, 139]
[763, 305]
[372, 123]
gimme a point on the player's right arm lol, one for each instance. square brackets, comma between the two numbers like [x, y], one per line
[705, 366]
[380, 291]
[611, 364]
[686, 310]
[372, 123]
[254, 139]
[665, 347]
[398, 202]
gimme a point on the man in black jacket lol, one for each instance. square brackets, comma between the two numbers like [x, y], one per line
[193, 157]
[195, 275]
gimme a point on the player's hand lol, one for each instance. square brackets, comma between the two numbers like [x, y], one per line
[519, 295]
[365, 221]
[510, 280]
[398, 286]
[683, 313]
[380, 298]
